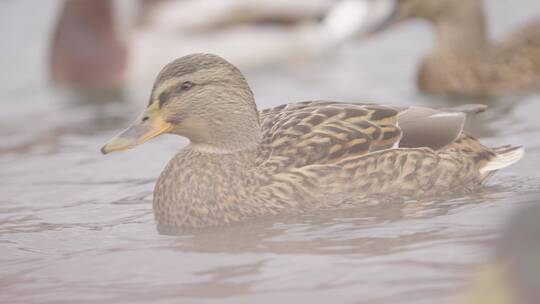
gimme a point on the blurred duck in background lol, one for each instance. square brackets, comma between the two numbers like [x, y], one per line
[108, 43]
[513, 275]
[86, 48]
[464, 61]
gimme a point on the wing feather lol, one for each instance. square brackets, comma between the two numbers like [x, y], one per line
[323, 132]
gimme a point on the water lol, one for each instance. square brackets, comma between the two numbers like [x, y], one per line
[76, 226]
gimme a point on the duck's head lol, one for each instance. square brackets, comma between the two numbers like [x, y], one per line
[201, 97]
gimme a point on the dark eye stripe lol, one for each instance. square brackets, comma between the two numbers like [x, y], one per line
[165, 95]
[163, 98]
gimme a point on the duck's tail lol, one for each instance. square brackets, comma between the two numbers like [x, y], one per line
[504, 157]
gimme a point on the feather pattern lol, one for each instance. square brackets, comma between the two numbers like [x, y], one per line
[324, 154]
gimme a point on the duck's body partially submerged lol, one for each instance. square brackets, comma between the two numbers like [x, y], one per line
[242, 163]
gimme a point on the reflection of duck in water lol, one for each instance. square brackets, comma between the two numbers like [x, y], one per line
[98, 44]
[243, 163]
[464, 61]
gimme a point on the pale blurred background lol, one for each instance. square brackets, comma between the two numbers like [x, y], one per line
[76, 226]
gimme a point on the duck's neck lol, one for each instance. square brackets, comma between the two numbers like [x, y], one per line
[462, 29]
[232, 125]
[234, 133]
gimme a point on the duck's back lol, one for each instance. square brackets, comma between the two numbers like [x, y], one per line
[364, 149]
[325, 132]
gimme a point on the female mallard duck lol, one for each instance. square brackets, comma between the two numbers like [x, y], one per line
[464, 61]
[242, 163]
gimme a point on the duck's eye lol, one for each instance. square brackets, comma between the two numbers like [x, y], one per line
[186, 85]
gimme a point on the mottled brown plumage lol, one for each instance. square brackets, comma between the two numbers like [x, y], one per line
[464, 61]
[300, 156]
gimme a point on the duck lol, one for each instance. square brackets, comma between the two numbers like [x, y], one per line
[464, 61]
[242, 163]
[107, 45]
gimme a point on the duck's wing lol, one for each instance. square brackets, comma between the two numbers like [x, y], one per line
[425, 127]
[324, 132]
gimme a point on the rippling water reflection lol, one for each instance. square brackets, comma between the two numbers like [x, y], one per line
[76, 226]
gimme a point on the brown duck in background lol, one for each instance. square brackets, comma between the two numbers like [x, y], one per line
[243, 163]
[464, 61]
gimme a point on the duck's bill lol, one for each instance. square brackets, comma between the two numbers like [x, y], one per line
[147, 126]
